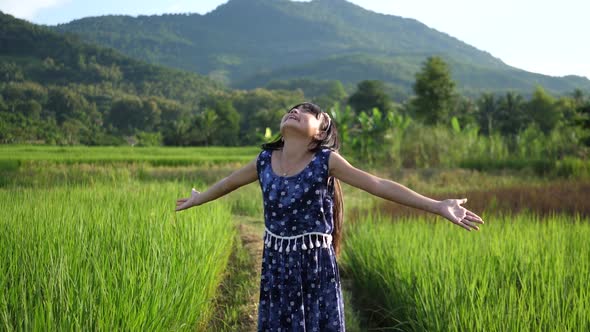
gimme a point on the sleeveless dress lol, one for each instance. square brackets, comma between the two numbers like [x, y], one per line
[300, 283]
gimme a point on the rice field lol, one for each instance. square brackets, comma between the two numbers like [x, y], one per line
[518, 273]
[12, 156]
[109, 257]
[89, 240]
[568, 197]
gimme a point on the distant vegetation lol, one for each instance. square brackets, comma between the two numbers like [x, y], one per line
[440, 128]
[55, 89]
[14, 156]
[248, 43]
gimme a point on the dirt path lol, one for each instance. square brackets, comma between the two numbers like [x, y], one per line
[250, 231]
[236, 305]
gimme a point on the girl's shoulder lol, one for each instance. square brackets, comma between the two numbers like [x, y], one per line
[262, 154]
[263, 157]
[265, 152]
[324, 151]
[327, 150]
[324, 157]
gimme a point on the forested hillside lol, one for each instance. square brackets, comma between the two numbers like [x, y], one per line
[247, 43]
[58, 89]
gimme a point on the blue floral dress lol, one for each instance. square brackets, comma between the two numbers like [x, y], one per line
[300, 283]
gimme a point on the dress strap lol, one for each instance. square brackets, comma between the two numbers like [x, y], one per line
[269, 238]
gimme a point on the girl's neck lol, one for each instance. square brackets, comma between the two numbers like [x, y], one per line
[295, 149]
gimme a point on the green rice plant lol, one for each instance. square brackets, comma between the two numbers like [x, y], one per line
[109, 257]
[156, 156]
[47, 174]
[519, 272]
[246, 201]
[442, 146]
[573, 168]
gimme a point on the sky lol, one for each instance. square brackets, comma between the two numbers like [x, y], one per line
[540, 36]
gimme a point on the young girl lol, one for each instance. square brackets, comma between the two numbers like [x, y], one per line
[299, 177]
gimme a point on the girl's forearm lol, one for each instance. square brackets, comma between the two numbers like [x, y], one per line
[398, 193]
[214, 192]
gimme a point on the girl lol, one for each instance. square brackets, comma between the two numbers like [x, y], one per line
[299, 177]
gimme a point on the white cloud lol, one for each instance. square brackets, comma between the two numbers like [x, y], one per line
[27, 9]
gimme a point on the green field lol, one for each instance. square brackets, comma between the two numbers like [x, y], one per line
[518, 273]
[90, 241]
[157, 156]
[109, 257]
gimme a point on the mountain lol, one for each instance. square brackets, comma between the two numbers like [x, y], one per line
[247, 43]
[33, 53]
[57, 89]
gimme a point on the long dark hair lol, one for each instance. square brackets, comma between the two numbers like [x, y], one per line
[330, 141]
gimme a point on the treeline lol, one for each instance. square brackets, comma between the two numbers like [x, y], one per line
[438, 127]
[98, 114]
[85, 114]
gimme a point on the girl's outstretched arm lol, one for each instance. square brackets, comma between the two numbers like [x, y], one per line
[241, 177]
[395, 192]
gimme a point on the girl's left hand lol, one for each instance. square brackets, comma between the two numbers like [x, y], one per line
[458, 215]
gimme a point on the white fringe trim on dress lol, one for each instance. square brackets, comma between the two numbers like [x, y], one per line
[322, 240]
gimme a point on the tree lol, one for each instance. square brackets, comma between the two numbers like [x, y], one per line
[3, 106]
[324, 93]
[71, 129]
[29, 108]
[67, 104]
[487, 107]
[228, 120]
[579, 97]
[21, 91]
[582, 114]
[542, 110]
[511, 117]
[370, 94]
[125, 114]
[130, 113]
[175, 120]
[206, 126]
[464, 110]
[335, 94]
[343, 118]
[260, 109]
[434, 91]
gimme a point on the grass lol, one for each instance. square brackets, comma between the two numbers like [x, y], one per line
[89, 242]
[109, 257]
[520, 272]
[12, 156]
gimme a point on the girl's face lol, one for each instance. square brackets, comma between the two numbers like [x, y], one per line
[301, 120]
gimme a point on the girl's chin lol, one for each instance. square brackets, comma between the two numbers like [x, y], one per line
[290, 130]
[291, 126]
[290, 122]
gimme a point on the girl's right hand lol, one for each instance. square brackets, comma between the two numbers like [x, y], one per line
[185, 203]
